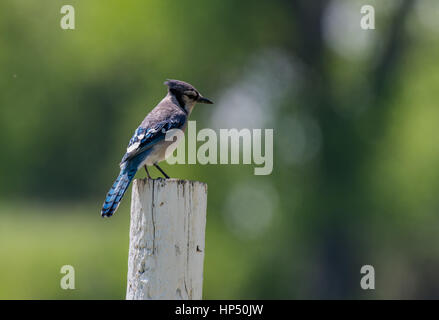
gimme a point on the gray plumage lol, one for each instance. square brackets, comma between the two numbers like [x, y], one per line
[148, 146]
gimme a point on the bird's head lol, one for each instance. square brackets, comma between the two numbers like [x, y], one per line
[185, 93]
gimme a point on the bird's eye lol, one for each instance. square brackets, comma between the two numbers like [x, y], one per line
[191, 94]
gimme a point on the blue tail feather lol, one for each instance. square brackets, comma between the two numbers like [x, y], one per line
[121, 184]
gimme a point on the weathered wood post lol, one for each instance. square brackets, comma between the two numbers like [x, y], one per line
[166, 254]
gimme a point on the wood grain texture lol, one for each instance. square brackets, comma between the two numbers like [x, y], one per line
[166, 253]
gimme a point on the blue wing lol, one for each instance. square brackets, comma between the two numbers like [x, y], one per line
[146, 137]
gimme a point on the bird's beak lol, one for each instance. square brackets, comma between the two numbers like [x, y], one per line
[202, 99]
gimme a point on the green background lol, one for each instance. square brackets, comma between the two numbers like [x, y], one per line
[354, 112]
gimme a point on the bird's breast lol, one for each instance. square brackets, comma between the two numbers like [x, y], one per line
[161, 150]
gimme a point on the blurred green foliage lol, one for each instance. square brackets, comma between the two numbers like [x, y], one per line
[355, 178]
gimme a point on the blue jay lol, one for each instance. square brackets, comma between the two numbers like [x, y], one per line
[148, 146]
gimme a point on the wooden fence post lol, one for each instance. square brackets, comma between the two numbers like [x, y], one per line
[166, 254]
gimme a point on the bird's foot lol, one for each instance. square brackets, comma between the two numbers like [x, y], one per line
[160, 169]
[147, 173]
